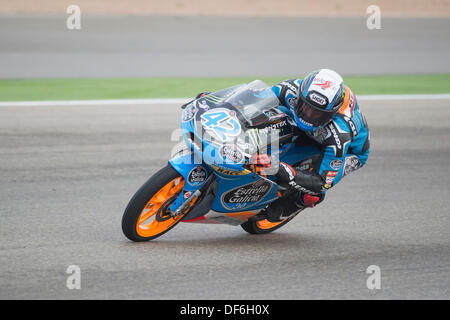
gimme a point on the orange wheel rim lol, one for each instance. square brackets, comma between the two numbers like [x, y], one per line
[148, 224]
[266, 224]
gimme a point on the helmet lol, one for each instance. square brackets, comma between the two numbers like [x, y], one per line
[320, 97]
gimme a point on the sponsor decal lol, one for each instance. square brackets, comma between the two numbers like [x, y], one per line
[336, 164]
[189, 112]
[202, 104]
[289, 170]
[197, 176]
[254, 137]
[187, 194]
[278, 125]
[305, 122]
[246, 195]
[231, 172]
[330, 178]
[300, 188]
[290, 86]
[273, 127]
[318, 99]
[324, 84]
[231, 152]
[352, 163]
[352, 126]
[214, 99]
[336, 137]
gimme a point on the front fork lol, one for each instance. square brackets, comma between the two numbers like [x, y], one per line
[187, 165]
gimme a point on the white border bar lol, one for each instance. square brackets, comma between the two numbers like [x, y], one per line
[184, 100]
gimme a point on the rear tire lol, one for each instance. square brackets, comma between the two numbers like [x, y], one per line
[152, 200]
[263, 226]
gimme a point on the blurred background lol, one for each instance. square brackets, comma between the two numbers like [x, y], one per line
[204, 38]
[273, 40]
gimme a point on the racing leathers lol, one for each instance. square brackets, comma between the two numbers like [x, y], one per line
[344, 146]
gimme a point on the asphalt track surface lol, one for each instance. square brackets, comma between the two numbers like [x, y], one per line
[67, 174]
[36, 47]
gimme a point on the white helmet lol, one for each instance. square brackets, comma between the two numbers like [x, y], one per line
[320, 97]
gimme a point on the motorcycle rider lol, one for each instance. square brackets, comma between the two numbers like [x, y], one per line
[327, 115]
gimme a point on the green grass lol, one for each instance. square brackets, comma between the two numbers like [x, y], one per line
[135, 88]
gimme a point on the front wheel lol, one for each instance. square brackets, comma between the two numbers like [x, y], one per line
[147, 214]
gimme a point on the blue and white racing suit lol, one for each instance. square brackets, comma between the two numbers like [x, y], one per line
[344, 143]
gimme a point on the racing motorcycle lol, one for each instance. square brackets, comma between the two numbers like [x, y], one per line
[234, 140]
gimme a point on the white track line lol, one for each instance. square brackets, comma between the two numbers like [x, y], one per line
[392, 97]
[184, 100]
[93, 102]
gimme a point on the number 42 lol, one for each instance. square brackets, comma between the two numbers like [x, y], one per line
[222, 124]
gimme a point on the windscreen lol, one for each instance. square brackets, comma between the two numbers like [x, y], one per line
[252, 99]
[228, 120]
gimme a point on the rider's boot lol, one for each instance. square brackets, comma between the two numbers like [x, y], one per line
[289, 205]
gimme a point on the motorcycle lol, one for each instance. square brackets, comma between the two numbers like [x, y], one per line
[234, 139]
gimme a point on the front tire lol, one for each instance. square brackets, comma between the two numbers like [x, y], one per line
[146, 216]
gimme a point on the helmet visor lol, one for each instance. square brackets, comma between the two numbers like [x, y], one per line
[313, 115]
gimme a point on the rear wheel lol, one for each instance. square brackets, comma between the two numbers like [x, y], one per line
[147, 215]
[263, 226]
